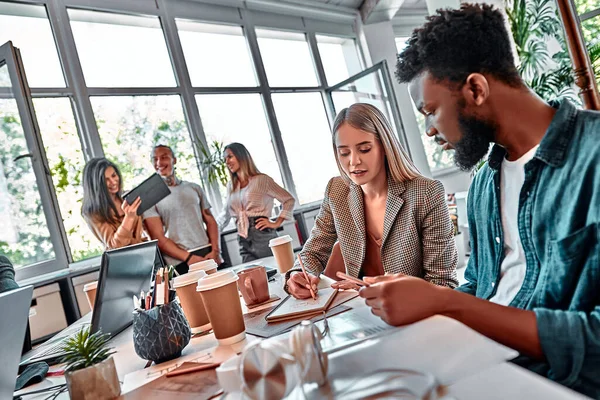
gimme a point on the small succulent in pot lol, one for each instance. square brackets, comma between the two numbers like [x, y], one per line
[89, 370]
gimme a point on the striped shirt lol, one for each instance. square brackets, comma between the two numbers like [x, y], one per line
[255, 200]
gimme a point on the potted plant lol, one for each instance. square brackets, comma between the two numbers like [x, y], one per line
[90, 371]
[213, 163]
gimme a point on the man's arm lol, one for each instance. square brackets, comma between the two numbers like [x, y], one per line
[212, 228]
[510, 326]
[156, 231]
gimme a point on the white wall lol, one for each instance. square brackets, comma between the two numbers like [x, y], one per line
[378, 43]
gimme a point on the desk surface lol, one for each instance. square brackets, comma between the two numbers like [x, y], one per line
[489, 383]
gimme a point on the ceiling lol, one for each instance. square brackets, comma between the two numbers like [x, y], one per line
[355, 4]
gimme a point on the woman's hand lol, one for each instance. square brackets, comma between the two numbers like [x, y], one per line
[299, 287]
[265, 223]
[130, 210]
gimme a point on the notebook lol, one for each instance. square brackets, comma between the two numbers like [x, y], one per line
[292, 308]
[151, 191]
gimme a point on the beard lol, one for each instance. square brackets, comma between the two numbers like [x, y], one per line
[475, 141]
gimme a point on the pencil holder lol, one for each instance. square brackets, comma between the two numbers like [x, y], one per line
[161, 333]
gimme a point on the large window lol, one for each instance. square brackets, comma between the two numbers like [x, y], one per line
[28, 28]
[24, 237]
[240, 118]
[121, 51]
[155, 77]
[66, 162]
[589, 15]
[339, 57]
[129, 128]
[216, 55]
[307, 139]
[287, 58]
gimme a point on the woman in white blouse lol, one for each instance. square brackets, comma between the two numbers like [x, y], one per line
[250, 196]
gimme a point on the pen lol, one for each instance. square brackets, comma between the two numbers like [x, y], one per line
[352, 279]
[312, 293]
[148, 301]
[199, 367]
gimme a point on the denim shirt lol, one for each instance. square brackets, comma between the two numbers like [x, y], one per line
[559, 227]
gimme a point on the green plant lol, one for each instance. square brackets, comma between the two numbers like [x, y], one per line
[533, 24]
[84, 349]
[213, 164]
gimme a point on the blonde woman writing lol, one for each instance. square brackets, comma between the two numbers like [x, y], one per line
[250, 201]
[386, 216]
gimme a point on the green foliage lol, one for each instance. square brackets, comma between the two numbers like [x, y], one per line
[213, 164]
[84, 349]
[533, 23]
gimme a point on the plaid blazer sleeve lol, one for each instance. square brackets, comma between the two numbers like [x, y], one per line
[439, 249]
[317, 249]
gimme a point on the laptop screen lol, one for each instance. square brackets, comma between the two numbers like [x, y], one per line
[125, 272]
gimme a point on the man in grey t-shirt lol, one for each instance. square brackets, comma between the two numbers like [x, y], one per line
[178, 221]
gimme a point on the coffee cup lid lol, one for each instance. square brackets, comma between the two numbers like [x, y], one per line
[186, 279]
[280, 240]
[216, 280]
[205, 265]
[90, 286]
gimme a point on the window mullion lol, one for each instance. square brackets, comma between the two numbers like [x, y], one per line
[278, 146]
[67, 52]
[190, 106]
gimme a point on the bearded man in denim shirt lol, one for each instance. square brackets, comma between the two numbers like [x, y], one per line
[533, 277]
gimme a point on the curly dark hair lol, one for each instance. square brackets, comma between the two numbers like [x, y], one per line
[455, 43]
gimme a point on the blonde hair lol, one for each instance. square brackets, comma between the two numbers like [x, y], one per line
[247, 167]
[370, 119]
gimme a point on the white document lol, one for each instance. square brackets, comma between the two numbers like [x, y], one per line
[439, 345]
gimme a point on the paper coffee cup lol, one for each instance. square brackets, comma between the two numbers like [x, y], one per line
[191, 300]
[284, 253]
[222, 302]
[208, 266]
[90, 292]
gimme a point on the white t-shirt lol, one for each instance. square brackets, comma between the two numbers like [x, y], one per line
[181, 215]
[514, 265]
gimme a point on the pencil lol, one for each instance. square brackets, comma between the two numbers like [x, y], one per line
[312, 293]
[352, 279]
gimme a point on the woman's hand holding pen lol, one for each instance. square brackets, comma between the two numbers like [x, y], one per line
[298, 286]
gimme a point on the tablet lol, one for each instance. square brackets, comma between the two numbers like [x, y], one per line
[151, 191]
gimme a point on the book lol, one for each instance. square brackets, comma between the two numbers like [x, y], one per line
[292, 308]
[151, 191]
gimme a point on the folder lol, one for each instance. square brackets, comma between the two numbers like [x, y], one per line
[151, 191]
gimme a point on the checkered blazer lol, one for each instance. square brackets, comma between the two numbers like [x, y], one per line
[417, 234]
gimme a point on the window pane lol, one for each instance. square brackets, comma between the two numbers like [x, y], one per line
[120, 50]
[66, 162]
[591, 30]
[339, 57]
[307, 137]
[130, 126]
[28, 28]
[584, 6]
[216, 55]
[401, 43]
[287, 58]
[24, 237]
[248, 126]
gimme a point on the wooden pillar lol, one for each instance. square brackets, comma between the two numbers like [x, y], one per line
[582, 67]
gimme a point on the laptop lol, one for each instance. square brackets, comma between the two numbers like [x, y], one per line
[124, 272]
[14, 313]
